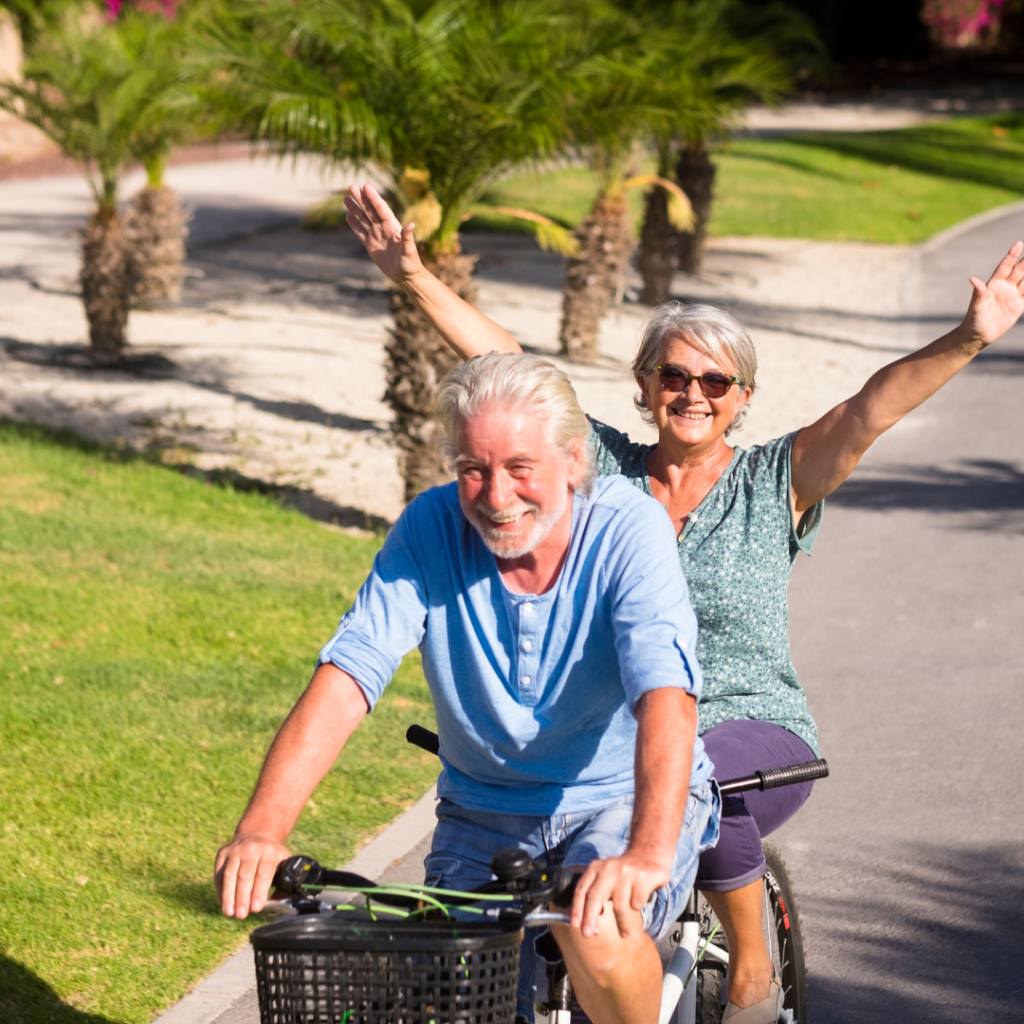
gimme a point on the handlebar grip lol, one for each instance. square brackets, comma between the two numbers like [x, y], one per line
[295, 873]
[772, 778]
[424, 738]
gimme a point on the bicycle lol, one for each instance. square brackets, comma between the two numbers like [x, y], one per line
[402, 958]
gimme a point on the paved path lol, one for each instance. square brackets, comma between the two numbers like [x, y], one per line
[909, 861]
[907, 633]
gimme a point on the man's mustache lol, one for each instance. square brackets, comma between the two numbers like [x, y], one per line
[503, 515]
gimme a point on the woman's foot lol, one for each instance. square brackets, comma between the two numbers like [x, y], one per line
[763, 1011]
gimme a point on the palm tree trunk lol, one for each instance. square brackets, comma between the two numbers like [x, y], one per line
[106, 281]
[418, 358]
[659, 245]
[695, 174]
[157, 231]
[594, 277]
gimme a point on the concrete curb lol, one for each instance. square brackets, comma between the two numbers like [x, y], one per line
[965, 226]
[233, 980]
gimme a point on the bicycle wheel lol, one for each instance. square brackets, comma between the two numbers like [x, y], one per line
[782, 933]
[710, 972]
[782, 937]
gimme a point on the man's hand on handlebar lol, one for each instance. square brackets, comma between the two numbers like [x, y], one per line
[626, 881]
[244, 871]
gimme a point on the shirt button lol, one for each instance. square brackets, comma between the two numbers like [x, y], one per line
[526, 680]
[527, 645]
[527, 607]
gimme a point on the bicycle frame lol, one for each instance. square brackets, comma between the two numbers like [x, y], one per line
[679, 996]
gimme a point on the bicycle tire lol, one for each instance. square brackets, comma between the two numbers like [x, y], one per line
[782, 935]
[710, 973]
[783, 924]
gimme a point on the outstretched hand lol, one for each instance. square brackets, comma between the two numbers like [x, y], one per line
[390, 245]
[997, 304]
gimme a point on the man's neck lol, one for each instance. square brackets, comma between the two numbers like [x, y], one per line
[537, 571]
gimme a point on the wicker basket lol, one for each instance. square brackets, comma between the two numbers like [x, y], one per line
[339, 968]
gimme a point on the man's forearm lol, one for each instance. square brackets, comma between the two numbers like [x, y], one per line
[302, 752]
[666, 728]
[468, 331]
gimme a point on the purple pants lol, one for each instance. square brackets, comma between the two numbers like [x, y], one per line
[737, 748]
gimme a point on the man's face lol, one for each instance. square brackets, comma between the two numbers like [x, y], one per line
[514, 483]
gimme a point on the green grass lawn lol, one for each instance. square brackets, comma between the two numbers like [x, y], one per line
[895, 187]
[154, 631]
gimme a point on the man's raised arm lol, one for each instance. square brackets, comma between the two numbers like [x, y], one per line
[302, 753]
[393, 248]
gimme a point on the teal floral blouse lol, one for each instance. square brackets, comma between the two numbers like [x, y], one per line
[737, 552]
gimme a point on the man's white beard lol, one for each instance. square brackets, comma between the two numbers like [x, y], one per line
[527, 535]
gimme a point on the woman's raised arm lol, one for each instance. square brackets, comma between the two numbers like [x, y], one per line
[393, 249]
[825, 453]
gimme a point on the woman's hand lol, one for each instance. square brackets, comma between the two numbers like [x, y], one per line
[998, 304]
[391, 246]
[825, 453]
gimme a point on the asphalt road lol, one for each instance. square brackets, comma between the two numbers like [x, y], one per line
[908, 632]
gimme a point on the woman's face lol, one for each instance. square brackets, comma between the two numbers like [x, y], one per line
[689, 417]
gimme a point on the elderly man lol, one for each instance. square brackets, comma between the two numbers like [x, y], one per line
[557, 639]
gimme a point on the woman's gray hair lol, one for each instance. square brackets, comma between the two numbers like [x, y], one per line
[515, 381]
[714, 331]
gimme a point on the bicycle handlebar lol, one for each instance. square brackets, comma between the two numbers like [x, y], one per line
[532, 884]
[773, 778]
[768, 778]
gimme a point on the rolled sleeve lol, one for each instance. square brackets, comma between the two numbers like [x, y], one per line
[388, 618]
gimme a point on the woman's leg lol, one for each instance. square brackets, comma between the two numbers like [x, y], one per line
[730, 875]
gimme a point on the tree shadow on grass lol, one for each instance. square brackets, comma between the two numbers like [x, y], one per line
[938, 150]
[935, 938]
[297, 499]
[196, 897]
[26, 999]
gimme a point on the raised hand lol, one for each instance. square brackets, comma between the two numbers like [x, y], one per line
[390, 245]
[997, 304]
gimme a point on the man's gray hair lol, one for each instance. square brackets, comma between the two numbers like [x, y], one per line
[717, 333]
[515, 381]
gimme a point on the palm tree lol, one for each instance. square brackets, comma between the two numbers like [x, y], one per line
[721, 55]
[441, 98]
[103, 93]
[614, 112]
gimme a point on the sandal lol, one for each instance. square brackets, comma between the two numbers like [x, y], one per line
[765, 1012]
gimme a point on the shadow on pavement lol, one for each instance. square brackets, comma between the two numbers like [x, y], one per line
[301, 412]
[26, 999]
[146, 364]
[942, 925]
[980, 486]
[998, 360]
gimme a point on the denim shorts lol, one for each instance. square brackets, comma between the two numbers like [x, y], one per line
[464, 842]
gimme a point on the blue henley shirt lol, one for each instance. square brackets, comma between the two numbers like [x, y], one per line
[534, 693]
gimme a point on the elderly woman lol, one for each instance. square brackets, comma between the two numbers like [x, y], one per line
[741, 516]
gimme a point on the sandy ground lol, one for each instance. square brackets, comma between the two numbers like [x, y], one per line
[272, 364]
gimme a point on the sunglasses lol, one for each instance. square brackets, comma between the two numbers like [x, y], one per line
[713, 385]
